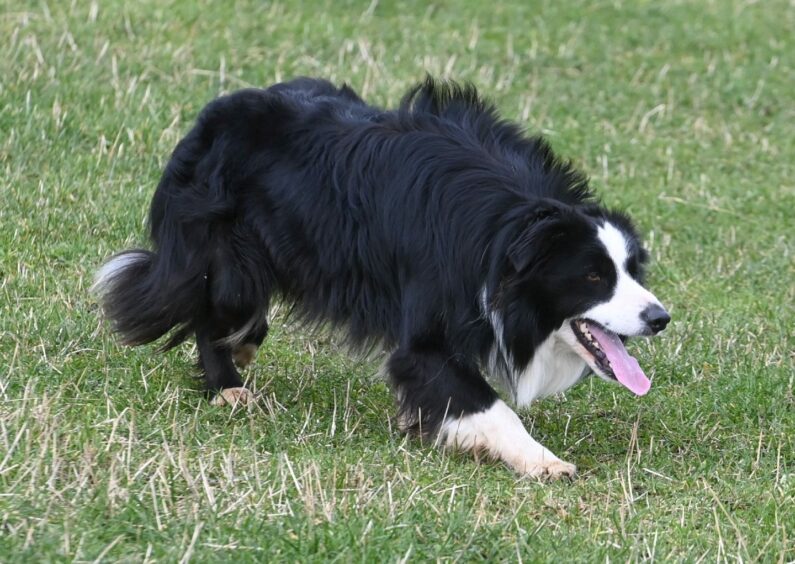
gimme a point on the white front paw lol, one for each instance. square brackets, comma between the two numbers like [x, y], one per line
[499, 432]
[552, 469]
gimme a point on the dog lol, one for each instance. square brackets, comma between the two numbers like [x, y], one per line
[438, 231]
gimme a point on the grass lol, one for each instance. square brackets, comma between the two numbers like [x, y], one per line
[681, 112]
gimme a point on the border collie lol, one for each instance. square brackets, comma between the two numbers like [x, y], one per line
[436, 230]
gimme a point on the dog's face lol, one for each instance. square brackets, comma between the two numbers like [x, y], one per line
[579, 277]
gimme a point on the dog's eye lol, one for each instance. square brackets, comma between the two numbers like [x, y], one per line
[593, 277]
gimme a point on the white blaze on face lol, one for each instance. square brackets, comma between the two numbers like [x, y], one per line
[622, 312]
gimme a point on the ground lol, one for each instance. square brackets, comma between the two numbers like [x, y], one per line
[681, 112]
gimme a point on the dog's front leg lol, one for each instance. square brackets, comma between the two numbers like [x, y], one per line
[499, 432]
[444, 397]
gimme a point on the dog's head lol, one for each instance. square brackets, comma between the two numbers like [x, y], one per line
[578, 273]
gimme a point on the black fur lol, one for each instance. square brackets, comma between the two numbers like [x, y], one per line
[388, 224]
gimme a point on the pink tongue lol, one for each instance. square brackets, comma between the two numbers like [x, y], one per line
[625, 367]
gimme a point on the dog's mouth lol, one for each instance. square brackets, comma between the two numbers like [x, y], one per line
[606, 354]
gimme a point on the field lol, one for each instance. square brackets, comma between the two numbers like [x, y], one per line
[682, 113]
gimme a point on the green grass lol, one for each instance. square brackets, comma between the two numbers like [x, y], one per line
[681, 112]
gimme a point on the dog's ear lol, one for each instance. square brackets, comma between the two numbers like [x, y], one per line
[533, 242]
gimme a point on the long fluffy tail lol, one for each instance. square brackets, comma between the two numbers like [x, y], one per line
[145, 298]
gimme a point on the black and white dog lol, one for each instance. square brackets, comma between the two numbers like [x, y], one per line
[436, 230]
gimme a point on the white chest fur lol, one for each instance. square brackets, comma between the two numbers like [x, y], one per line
[555, 367]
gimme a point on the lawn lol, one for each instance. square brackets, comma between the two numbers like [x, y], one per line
[682, 113]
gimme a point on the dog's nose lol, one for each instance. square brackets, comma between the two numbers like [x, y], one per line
[655, 317]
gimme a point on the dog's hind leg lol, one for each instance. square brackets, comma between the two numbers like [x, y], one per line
[235, 323]
[442, 395]
[220, 374]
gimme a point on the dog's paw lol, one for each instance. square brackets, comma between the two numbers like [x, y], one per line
[244, 354]
[552, 470]
[234, 397]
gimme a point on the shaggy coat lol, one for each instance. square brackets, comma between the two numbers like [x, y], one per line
[437, 231]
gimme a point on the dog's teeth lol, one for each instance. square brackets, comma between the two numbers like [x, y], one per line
[596, 348]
